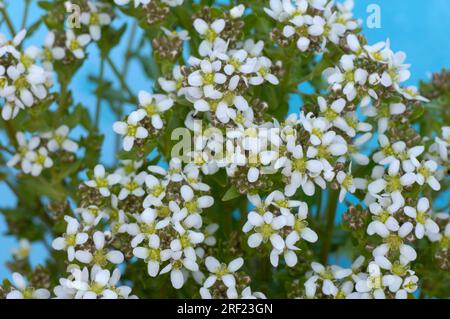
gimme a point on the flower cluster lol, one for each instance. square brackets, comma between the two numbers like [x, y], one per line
[158, 212]
[146, 121]
[223, 281]
[73, 42]
[96, 283]
[355, 143]
[312, 24]
[39, 152]
[168, 232]
[171, 3]
[272, 221]
[382, 279]
[23, 82]
[21, 290]
[216, 82]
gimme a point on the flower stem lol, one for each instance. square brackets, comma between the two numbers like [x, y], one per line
[99, 93]
[125, 66]
[120, 78]
[25, 14]
[328, 234]
[10, 132]
[8, 21]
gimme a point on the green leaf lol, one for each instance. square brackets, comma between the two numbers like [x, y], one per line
[110, 38]
[41, 186]
[231, 194]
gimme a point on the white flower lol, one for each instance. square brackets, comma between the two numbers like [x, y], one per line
[372, 283]
[100, 256]
[277, 199]
[156, 190]
[333, 112]
[300, 170]
[383, 221]
[146, 225]
[237, 11]
[91, 215]
[11, 46]
[222, 272]
[94, 20]
[50, 52]
[300, 225]
[154, 106]
[132, 185]
[24, 147]
[73, 237]
[39, 160]
[21, 291]
[131, 129]
[266, 228]
[183, 35]
[247, 294]
[27, 85]
[424, 224]
[177, 265]
[175, 83]
[59, 140]
[395, 242]
[136, 2]
[411, 93]
[23, 251]
[392, 185]
[326, 275]
[349, 183]
[262, 67]
[99, 283]
[152, 254]
[409, 286]
[426, 172]
[207, 78]
[103, 181]
[76, 44]
[209, 32]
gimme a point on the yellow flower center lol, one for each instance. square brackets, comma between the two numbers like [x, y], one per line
[192, 206]
[210, 35]
[265, 230]
[208, 78]
[393, 183]
[101, 182]
[99, 257]
[21, 83]
[151, 109]
[74, 45]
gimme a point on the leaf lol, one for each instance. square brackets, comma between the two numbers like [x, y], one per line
[41, 186]
[231, 194]
[79, 115]
[66, 170]
[110, 38]
[417, 112]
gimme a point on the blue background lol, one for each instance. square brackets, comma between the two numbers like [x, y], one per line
[419, 28]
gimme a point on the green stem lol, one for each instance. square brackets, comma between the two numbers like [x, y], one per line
[8, 21]
[99, 93]
[10, 131]
[319, 207]
[25, 14]
[120, 78]
[125, 66]
[328, 234]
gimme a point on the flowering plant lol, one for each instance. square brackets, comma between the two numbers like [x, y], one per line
[219, 190]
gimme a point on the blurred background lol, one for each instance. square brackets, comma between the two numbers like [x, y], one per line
[419, 28]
